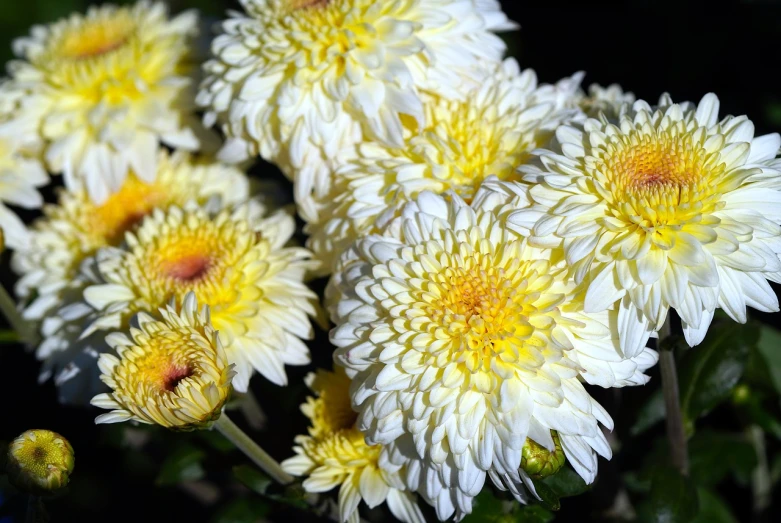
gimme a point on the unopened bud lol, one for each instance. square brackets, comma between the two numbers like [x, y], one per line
[40, 461]
[539, 462]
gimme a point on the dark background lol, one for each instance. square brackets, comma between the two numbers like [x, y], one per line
[649, 47]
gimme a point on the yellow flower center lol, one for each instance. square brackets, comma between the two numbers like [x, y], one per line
[41, 451]
[162, 368]
[659, 182]
[331, 411]
[127, 208]
[97, 37]
[496, 311]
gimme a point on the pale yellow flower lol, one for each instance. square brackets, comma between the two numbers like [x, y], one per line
[491, 132]
[670, 207]
[295, 81]
[335, 454]
[235, 262]
[20, 177]
[462, 341]
[103, 91]
[169, 370]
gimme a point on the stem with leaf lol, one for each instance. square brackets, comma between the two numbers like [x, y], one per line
[253, 451]
[676, 435]
[14, 318]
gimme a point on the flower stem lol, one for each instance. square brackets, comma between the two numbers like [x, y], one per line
[15, 320]
[33, 506]
[674, 417]
[259, 456]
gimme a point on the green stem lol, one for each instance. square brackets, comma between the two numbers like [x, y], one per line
[259, 456]
[676, 435]
[15, 320]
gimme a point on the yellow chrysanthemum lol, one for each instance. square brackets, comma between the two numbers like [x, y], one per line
[335, 454]
[235, 262]
[462, 341]
[40, 461]
[294, 81]
[670, 207]
[491, 132]
[170, 371]
[20, 176]
[103, 91]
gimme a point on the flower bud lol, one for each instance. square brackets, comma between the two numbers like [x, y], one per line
[538, 462]
[40, 461]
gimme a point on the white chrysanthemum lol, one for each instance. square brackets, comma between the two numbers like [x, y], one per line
[235, 262]
[462, 341]
[295, 80]
[20, 176]
[491, 132]
[103, 90]
[335, 454]
[670, 207]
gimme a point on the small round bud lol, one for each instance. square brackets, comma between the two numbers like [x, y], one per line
[40, 461]
[538, 462]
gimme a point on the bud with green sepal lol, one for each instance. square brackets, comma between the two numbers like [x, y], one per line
[539, 462]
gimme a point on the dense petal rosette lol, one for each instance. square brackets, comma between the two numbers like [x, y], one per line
[235, 262]
[170, 371]
[294, 81]
[668, 207]
[102, 91]
[491, 132]
[462, 341]
[335, 454]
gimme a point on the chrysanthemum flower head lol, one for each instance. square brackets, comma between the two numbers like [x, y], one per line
[170, 371]
[293, 81]
[491, 132]
[235, 262]
[462, 341]
[670, 207]
[70, 232]
[40, 461]
[75, 228]
[335, 454]
[104, 90]
[20, 176]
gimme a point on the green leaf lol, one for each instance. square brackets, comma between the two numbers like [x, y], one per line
[566, 483]
[713, 455]
[769, 346]
[184, 464]
[486, 507]
[709, 372]
[548, 497]
[259, 483]
[531, 514]
[651, 413]
[242, 510]
[712, 509]
[672, 499]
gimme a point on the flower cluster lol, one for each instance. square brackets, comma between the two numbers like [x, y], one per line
[497, 248]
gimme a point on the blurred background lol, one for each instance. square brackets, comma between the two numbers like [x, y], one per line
[647, 46]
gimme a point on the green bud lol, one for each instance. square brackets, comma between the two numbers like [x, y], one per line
[538, 462]
[40, 461]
